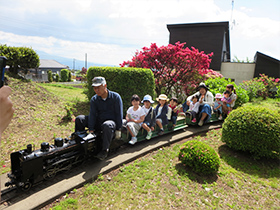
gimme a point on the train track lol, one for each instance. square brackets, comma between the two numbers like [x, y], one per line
[47, 191]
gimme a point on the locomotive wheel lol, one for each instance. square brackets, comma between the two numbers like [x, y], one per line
[50, 173]
[26, 186]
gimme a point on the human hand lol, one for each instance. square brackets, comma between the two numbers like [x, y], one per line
[6, 108]
[132, 120]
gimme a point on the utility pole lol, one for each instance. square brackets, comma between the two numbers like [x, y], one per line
[86, 61]
[73, 63]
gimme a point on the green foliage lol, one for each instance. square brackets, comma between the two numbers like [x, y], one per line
[50, 77]
[125, 81]
[20, 58]
[271, 85]
[254, 88]
[278, 92]
[253, 129]
[56, 78]
[69, 76]
[200, 157]
[218, 85]
[69, 111]
[64, 75]
[241, 61]
[262, 86]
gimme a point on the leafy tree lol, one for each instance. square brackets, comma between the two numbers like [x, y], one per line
[175, 68]
[64, 75]
[84, 71]
[50, 76]
[57, 77]
[83, 74]
[20, 58]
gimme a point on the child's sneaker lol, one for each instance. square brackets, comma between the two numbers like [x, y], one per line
[161, 132]
[194, 120]
[133, 140]
[220, 118]
[149, 135]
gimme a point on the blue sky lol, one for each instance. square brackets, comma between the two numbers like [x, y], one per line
[110, 31]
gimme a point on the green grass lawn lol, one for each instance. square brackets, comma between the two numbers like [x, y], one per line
[160, 181]
[67, 92]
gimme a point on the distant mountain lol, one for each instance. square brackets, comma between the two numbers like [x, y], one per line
[68, 61]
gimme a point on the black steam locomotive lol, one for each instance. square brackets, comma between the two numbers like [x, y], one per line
[29, 167]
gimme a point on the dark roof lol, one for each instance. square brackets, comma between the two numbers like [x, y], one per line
[207, 37]
[266, 65]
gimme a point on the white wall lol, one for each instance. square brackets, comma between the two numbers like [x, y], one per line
[238, 71]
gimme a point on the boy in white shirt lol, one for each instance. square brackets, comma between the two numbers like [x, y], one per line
[135, 116]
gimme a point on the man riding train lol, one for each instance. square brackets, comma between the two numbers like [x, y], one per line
[105, 116]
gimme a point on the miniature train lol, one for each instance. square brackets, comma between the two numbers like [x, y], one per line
[29, 167]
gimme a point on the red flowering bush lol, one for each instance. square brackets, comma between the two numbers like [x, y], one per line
[262, 86]
[174, 67]
[200, 157]
[271, 85]
[84, 74]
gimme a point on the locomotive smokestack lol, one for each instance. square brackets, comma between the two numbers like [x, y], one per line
[29, 148]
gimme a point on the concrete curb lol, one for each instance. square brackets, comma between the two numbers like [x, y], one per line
[42, 194]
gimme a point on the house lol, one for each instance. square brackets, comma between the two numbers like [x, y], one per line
[266, 65]
[41, 74]
[207, 37]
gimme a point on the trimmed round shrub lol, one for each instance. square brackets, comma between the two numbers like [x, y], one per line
[200, 157]
[253, 129]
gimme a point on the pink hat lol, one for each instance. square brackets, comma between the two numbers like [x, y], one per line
[218, 95]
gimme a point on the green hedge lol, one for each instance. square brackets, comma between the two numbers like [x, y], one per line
[200, 157]
[125, 81]
[253, 129]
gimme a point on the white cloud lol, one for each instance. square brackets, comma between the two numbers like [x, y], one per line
[97, 52]
[110, 31]
[245, 9]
